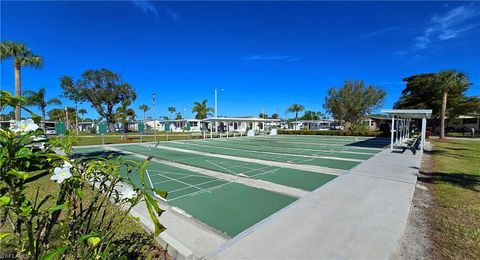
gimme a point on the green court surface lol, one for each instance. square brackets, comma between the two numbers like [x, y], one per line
[227, 206]
[289, 177]
[265, 152]
[232, 207]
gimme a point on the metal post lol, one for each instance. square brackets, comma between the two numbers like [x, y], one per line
[154, 117]
[66, 116]
[424, 130]
[216, 111]
[392, 129]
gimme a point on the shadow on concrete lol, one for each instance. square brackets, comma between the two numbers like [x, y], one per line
[377, 142]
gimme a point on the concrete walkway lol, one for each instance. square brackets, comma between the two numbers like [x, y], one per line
[359, 215]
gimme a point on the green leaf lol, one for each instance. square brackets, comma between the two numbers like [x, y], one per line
[56, 252]
[4, 200]
[94, 241]
[161, 193]
[19, 174]
[143, 169]
[151, 206]
[57, 207]
[4, 235]
[23, 153]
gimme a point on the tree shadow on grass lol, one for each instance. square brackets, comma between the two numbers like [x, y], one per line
[462, 180]
[450, 154]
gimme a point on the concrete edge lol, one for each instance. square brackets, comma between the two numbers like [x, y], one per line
[263, 222]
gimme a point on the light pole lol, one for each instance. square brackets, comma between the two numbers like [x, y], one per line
[66, 117]
[216, 110]
[154, 116]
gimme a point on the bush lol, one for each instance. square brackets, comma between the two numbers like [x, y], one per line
[74, 219]
[333, 132]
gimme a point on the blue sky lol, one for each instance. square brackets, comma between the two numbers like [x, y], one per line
[265, 55]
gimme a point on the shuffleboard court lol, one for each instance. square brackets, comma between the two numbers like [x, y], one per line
[226, 206]
[267, 152]
[289, 177]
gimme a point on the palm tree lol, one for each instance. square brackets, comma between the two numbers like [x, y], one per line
[124, 113]
[144, 108]
[82, 111]
[201, 109]
[295, 108]
[37, 98]
[449, 81]
[22, 57]
[171, 110]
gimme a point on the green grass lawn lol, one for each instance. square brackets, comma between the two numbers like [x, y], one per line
[456, 190]
[130, 228]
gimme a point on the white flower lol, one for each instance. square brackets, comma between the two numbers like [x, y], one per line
[67, 164]
[24, 126]
[61, 174]
[128, 193]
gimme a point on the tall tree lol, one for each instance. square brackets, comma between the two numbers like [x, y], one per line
[103, 89]
[427, 91]
[321, 115]
[171, 110]
[275, 116]
[178, 116]
[22, 57]
[144, 108]
[82, 111]
[125, 113]
[353, 101]
[295, 108]
[58, 114]
[38, 99]
[309, 115]
[262, 115]
[202, 110]
[71, 91]
[449, 81]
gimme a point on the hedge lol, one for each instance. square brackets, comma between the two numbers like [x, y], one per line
[333, 132]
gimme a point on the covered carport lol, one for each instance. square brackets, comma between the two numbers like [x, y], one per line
[241, 123]
[400, 124]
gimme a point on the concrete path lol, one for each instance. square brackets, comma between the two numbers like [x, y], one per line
[359, 215]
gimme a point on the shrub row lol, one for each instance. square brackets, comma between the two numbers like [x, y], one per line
[332, 132]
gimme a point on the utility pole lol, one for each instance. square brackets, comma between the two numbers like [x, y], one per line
[66, 117]
[154, 116]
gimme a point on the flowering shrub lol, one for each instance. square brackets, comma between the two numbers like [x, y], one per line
[65, 222]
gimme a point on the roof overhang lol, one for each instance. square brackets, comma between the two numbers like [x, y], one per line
[239, 119]
[408, 113]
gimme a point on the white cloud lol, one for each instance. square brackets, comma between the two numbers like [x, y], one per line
[379, 32]
[146, 7]
[272, 57]
[446, 26]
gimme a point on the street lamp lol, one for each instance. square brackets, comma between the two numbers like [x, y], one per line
[66, 116]
[216, 109]
[154, 113]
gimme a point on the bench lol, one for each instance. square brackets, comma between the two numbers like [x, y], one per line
[412, 144]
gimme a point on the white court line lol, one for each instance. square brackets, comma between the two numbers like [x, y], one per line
[221, 167]
[202, 191]
[267, 154]
[164, 181]
[195, 186]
